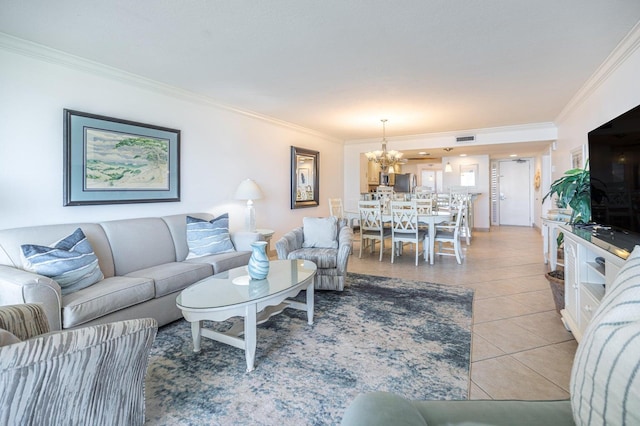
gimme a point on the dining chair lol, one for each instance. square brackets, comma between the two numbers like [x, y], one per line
[423, 205]
[405, 229]
[442, 201]
[450, 234]
[372, 228]
[335, 207]
[385, 189]
[461, 195]
[423, 192]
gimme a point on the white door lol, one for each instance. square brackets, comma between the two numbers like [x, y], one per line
[515, 192]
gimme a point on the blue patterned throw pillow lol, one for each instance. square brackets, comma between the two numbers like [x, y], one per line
[205, 238]
[71, 262]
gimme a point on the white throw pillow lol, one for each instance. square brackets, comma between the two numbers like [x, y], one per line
[320, 232]
[605, 379]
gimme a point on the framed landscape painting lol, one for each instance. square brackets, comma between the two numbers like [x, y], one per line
[111, 161]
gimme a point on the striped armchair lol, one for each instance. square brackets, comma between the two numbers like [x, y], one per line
[331, 261]
[92, 375]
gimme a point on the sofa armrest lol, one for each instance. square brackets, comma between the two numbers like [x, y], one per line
[345, 245]
[18, 287]
[242, 239]
[24, 321]
[289, 242]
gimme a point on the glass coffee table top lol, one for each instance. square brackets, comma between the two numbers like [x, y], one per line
[233, 287]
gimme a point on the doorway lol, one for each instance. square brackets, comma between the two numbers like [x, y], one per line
[430, 177]
[511, 196]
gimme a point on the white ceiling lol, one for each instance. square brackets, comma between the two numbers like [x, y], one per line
[339, 66]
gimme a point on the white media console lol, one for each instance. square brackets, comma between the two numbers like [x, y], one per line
[590, 264]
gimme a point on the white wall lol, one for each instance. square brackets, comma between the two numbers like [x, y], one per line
[611, 91]
[481, 205]
[219, 147]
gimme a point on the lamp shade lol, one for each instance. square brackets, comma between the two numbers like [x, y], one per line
[248, 190]
[448, 168]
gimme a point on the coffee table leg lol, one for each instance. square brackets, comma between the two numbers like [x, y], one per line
[250, 337]
[310, 300]
[195, 333]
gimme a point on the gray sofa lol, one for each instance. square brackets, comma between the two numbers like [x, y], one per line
[605, 379]
[143, 262]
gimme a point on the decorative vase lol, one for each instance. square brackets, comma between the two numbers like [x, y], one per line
[258, 266]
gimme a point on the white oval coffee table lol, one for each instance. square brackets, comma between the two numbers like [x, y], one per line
[232, 293]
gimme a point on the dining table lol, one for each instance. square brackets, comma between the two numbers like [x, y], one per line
[431, 220]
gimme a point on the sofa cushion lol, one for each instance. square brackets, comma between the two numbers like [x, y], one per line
[174, 276]
[605, 377]
[208, 237]
[70, 262]
[324, 258]
[139, 243]
[320, 232]
[224, 261]
[111, 295]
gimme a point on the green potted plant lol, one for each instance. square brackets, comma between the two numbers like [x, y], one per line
[573, 190]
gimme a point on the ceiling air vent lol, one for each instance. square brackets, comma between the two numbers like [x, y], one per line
[465, 139]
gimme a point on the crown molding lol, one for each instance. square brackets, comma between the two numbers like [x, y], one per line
[455, 133]
[58, 57]
[623, 50]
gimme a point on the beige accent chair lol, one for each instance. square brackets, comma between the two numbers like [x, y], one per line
[92, 375]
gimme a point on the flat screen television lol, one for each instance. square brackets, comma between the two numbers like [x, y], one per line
[614, 163]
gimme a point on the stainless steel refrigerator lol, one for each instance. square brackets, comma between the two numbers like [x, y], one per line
[404, 182]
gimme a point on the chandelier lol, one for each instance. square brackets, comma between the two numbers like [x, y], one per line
[386, 159]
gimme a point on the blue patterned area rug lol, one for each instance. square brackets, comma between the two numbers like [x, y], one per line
[380, 334]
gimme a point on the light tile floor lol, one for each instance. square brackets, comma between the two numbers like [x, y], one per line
[520, 348]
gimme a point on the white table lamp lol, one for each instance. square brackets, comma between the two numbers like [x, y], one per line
[249, 190]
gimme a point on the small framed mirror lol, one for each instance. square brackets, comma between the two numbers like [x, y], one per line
[304, 178]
